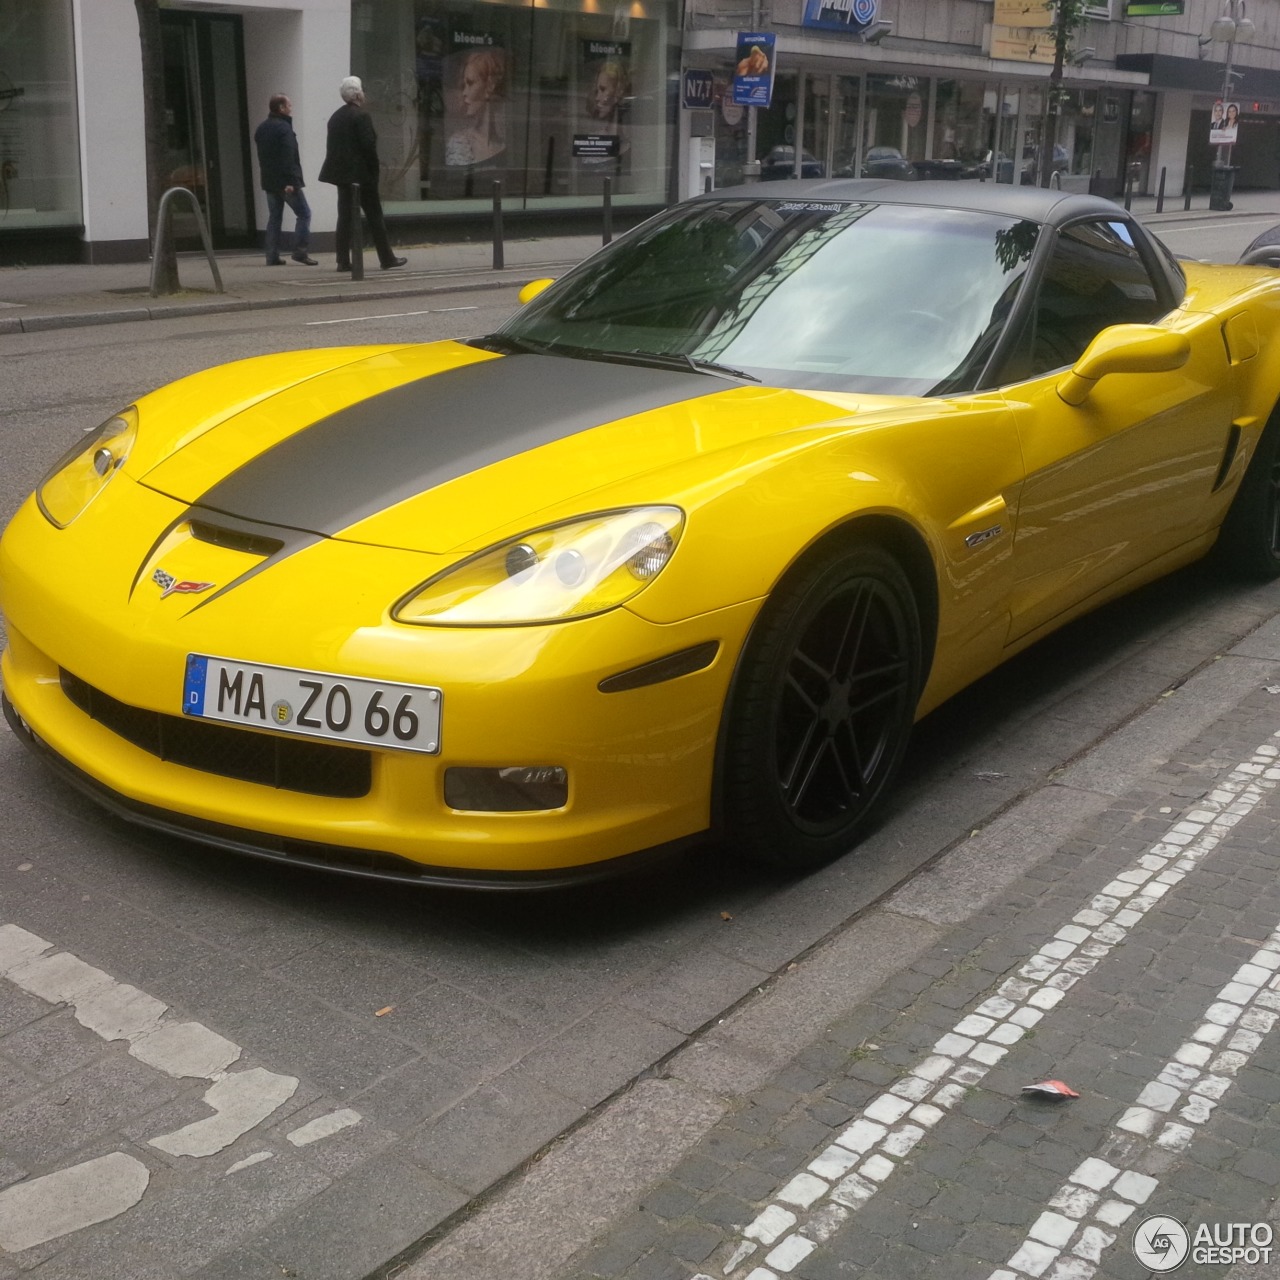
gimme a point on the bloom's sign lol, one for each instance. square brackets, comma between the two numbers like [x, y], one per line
[1159, 9]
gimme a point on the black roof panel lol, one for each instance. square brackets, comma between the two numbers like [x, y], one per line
[1038, 204]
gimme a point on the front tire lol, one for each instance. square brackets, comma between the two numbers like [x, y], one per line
[822, 709]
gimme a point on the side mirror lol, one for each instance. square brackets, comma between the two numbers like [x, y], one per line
[1124, 348]
[532, 289]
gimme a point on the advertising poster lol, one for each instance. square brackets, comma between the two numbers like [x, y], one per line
[477, 74]
[1224, 121]
[600, 139]
[753, 68]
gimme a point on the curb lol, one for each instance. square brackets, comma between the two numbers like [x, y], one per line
[122, 315]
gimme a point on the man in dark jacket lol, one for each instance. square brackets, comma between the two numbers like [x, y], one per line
[351, 155]
[282, 181]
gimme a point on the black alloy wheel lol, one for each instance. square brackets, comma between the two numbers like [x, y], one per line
[822, 709]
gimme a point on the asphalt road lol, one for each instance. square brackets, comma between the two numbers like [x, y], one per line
[465, 1033]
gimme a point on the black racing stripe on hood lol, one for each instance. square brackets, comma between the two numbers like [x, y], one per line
[405, 441]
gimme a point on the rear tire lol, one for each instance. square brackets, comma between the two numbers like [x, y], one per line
[822, 709]
[1249, 543]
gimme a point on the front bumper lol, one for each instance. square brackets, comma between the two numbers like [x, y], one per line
[640, 760]
[360, 863]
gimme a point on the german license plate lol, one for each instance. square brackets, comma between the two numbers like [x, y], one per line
[372, 713]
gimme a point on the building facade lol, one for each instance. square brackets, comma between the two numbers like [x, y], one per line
[550, 98]
[961, 90]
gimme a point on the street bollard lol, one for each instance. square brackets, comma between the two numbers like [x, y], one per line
[1187, 183]
[1160, 191]
[608, 210]
[497, 225]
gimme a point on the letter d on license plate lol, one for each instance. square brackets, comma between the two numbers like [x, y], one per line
[315, 704]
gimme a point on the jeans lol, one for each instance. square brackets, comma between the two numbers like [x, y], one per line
[276, 201]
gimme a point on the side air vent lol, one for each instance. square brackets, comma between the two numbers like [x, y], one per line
[1228, 457]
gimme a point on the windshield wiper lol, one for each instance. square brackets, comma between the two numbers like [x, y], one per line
[507, 345]
[676, 359]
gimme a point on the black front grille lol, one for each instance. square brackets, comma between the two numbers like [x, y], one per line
[316, 768]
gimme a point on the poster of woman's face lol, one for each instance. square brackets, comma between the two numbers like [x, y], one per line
[600, 136]
[476, 82]
[610, 87]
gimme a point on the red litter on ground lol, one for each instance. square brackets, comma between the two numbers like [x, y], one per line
[1050, 1089]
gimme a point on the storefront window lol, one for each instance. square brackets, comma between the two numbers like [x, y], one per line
[964, 130]
[549, 98]
[1074, 154]
[39, 134]
[896, 112]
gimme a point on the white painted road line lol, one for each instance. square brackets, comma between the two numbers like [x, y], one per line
[389, 315]
[69, 1200]
[818, 1199]
[1170, 230]
[240, 1102]
[257, 1158]
[1079, 1224]
[323, 1127]
[47, 1207]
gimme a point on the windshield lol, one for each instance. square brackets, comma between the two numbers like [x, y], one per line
[897, 299]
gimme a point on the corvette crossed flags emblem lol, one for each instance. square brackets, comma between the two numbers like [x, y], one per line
[169, 585]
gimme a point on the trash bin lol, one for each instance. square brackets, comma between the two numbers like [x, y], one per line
[1222, 178]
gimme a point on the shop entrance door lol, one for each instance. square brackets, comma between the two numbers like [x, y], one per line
[206, 131]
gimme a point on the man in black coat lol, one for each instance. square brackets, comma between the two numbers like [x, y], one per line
[351, 155]
[281, 171]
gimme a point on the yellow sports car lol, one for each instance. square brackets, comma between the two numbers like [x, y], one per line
[684, 548]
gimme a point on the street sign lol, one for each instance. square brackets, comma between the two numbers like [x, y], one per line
[696, 89]
[1154, 9]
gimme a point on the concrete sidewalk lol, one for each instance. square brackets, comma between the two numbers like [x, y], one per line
[71, 295]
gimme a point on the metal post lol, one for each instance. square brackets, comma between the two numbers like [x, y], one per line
[1160, 190]
[1128, 187]
[1232, 25]
[497, 225]
[163, 282]
[1187, 185]
[357, 232]
[608, 210]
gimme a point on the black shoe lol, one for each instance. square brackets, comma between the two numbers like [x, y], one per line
[306, 259]
[395, 262]
[275, 262]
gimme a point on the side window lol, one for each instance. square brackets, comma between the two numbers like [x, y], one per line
[1096, 278]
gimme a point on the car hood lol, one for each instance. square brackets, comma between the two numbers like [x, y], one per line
[442, 447]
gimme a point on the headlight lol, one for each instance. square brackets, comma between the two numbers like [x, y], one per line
[564, 571]
[84, 471]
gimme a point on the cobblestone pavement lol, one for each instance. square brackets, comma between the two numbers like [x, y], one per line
[1137, 962]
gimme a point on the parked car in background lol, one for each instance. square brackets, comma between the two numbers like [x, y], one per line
[887, 162]
[781, 163]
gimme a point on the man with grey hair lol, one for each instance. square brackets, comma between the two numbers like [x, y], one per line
[351, 156]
